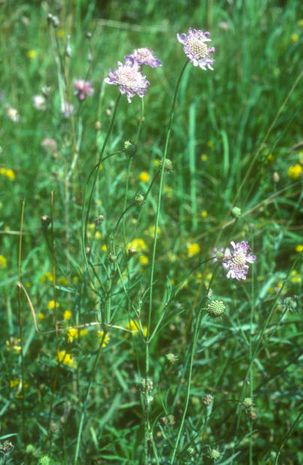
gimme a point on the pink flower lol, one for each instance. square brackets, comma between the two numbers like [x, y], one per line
[144, 56]
[196, 48]
[83, 89]
[129, 79]
[236, 260]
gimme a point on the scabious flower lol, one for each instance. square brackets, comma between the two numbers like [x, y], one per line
[143, 56]
[83, 89]
[39, 102]
[236, 259]
[129, 79]
[195, 44]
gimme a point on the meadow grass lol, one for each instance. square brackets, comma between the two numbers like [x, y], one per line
[122, 339]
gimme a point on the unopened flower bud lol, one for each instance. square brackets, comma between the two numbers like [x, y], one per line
[129, 148]
[214, 454]
[208, 399]
[168, 165]
[236, 212]
[215, 308]
[139, 199]
[247, 402]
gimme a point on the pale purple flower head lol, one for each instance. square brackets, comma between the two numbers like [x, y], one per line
[195, 44]
[129, 79]
[67, 109]
[83, 89]
[143, 56]
[236, 260]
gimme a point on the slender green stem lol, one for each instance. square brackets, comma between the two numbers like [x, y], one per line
[168, 135]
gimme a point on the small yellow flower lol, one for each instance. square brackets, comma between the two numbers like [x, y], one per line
[48, 276]
[299, 248]
[67, 315]
[151, 231]
[63, 281]
[204, 214]
[8, 173]
[52, 304]
[3, 262]
[294, 38]
[72, 334]
[295, 171]
[143, 260]
[13, 345]
[204, 157]
[134, 327]
[295, 277]
[138, 245]
[41, 316]
[103, 338]
[98, 235]
[66, 359]
[104, 248]
[192, 249]
[13, 383]
[144, 176]
[32, 54]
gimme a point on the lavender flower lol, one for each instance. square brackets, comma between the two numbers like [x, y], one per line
[83, 89]
[129, 79]
[235, 260]
[143, 56]
[196, 49]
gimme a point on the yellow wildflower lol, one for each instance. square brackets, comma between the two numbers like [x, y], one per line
[294, 38]
[144, 176]
[72, 334]
[204, 214]
[41, 316]
[3, 262]
[134, 327]
[63, 281]
[8, 173]
[13, 383]
[299, 248]
[295, 277]
[67, 315]
[52, 304]
[13, 345]
[192, 249]
[151, 231]
[47, 276]
[32, 54]
[138, 245]
[98, 235]
[104, 248]
[295, 171]
[203, 157]
[103, 338]
[66, 359]
[143, 260]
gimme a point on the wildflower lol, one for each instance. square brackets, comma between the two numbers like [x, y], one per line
[143, 56]
[215, 308]
[204, 157]
[104, 248]
[294, 38]
[32, 54]
[138, 245]
[298, 248]
[49, 145]
[129, 79]
[13, 345]
[192, 249]
[83, 89]
[13, 114]
[151, 231]
[52, 304]
[103, 338]
[214, 454]
[39, 102]
[66, 359]
[67, 109]
[41, 316]
[196, 49]
[235, 260]
[295, 171]
[204, 214]
[72, 334]
[295, 277]
[3, 262]
[134, 327]
[143, 260]
[144, 176]
[8, 173]
[47, 276]
[67, 315]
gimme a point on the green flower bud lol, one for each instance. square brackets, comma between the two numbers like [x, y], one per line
[215, 308]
